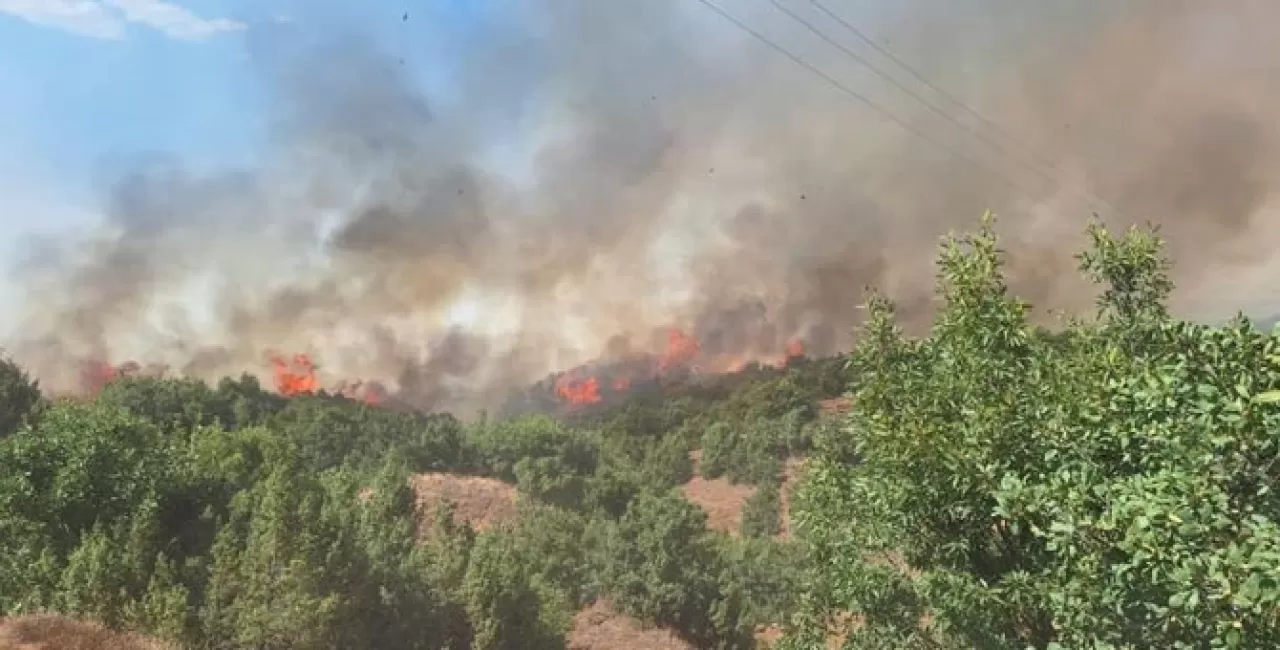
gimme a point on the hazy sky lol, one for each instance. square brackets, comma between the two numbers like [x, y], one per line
[84, 82]
[87, 84]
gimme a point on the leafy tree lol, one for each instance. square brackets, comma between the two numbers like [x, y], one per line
[763, 575]
[1106, 486]
[750, 452]
[510, 606]
[498, 447]
[19, 397]
[82, 465]
[762, 512]
[175, 406]
[660, 564]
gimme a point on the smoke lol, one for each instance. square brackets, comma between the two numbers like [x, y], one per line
[600, 171]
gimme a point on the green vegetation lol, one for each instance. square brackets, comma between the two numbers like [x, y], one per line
[229, 517]
[1103, 484]
[1108, 485]
[762, 513]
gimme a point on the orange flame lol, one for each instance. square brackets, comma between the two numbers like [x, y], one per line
[795, 349]
[95, 375]
[593, 383]
[295, 376]
[577, 390]
[681, 349]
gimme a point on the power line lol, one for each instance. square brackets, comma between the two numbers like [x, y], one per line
[871, 42]
[870, 103]
[1030, 165]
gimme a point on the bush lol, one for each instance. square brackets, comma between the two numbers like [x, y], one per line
[660, 564]
[1110, 485]
[762, 513]
[19, 397]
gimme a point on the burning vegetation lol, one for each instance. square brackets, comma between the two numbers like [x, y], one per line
[598, 382]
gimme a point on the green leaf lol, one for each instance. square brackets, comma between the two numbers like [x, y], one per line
[1268, 397]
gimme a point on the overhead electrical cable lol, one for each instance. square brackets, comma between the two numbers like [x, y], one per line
[1030, 164]
[888, 54]
[867, 101]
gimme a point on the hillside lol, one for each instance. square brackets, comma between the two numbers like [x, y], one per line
[992, 484]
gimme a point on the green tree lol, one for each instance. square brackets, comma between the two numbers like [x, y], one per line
[762, 512]
[508, 603]
[660, 564]
[19, 397]
[1105, 486]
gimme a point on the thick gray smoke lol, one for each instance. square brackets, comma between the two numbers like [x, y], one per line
[603, 170]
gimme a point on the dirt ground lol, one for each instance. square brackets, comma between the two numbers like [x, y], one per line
[60, 633]
[723, 501]
[599, 627]
[479, 502]
[720, 499]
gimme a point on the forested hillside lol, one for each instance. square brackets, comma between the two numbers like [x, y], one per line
[996, 484]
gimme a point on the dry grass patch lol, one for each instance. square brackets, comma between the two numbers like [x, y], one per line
[723, 501]
[51, 632]
[720, 499]
[599, 627]
[479, 502]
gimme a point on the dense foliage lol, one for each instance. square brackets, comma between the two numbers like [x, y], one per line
[1100, 484]
[1108, 485]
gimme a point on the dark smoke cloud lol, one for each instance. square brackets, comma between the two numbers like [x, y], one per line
[673, 172]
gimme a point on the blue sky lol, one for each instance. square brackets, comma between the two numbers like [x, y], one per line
[85, 82]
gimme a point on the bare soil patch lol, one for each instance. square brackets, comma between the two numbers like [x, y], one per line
[50, 632]
[720, 499]
[835, 406]
[599, 627]
[479, 502]
[723, 501]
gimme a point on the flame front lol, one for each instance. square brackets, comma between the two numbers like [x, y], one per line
[298, 376]
[596, 382]
[578, 390]
[295, 376]
[592, 383]
[681, 350]
[95, 375]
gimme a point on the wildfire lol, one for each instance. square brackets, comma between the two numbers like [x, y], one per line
[681, 349]
[577, 390]
[596, 382]
[296, 376]
[795, 350]
[585, 385]
[95, 375]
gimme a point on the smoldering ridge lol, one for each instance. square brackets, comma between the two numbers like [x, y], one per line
[678, 175]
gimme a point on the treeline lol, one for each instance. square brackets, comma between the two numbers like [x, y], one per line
[229, 517]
